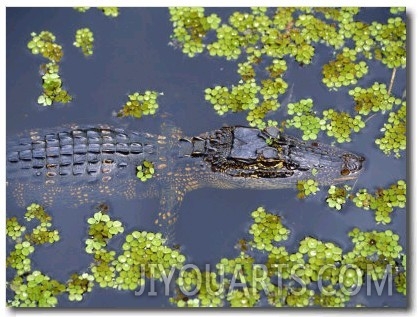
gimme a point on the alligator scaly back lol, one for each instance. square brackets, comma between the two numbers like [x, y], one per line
[86, 165]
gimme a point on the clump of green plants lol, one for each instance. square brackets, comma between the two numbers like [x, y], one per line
[84, 39]
[18, 258]
[145, 171]
[101, 229]
[391, 42]
[78, 285]
[81, 9]
[337, 196]
[41, 235]
[373, 252]
[112, 12]
[190, 27]
[383, 202]
[140, 105]
[304, 119]
[375, 98]
[14, 229]
[35, 290]
[44, 44]
[394, 137]
[145, 255]
[307, 188]
[267, 228]
[340, 125]
[344, 71]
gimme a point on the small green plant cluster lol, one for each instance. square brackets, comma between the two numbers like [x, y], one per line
[397, 10]
[78, 285]
[394, 137]
[101, 229]
[140, 104]
[375, 98]
[340, 125]
[190, 26]
[383, 202]
[307, 188]
[267, 228]
[374, 251]
[391, 42]
[304, 118]
[14, 229]
[145, 171]
[81, 9]
[112, 12]
[35, 290]
[145, 255]
[337, 196]
[84, 39]
[44, 44]
[344, 70]
[209, 295]
[31, 288]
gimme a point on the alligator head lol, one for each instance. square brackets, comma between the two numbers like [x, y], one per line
[280, 160]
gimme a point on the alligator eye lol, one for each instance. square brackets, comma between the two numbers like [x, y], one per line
[345, 172]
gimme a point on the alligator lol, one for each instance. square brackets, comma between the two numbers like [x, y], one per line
[86, 164]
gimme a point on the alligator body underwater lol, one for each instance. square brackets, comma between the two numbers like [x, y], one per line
[86, 165]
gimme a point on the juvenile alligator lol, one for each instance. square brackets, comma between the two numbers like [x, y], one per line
[84, 165]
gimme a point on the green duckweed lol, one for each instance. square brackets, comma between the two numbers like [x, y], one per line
[337, 196]
[394, 137]
[14, 229]
[383, 202]
[267, 228]
[375, 98]
[340, 125]
[111, 12]
[44, 44]
[78, 285]
[343, 71]
[35, 290]
[307, 188]
[140, 104]
[81, 9]
[84, 39]
[145, 171]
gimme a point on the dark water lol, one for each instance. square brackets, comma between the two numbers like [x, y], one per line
[131, 53]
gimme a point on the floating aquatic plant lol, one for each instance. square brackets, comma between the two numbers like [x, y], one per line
[383, 202]
[145, 171]
[304, 119]
[14, 229]
[44, 44]
[140, 104]
[337, 196]
[18, 258]
[81, 9]
[84, 39]
[373, 99]
[35, 290]
[394, 138]
[391, 42]
[267, 228]
[190, 26]
[112, 12]
[145, 255]
[340, 125]
[307, 187]
[78, 285]
[41, 235]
